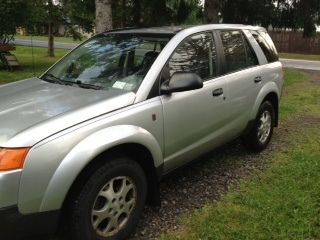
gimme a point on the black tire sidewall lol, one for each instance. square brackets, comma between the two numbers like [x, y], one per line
[81, 214]
[251, 140]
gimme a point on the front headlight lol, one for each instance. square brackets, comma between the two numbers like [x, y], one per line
[12, 158]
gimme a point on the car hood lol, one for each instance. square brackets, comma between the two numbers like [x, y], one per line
[47, 108]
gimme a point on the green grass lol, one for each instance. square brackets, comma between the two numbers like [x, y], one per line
[24, 55]
[45, 38]
[282, 202]
[300, 98]
[300, 56]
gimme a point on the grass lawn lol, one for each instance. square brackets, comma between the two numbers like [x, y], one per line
[300, 56]
[24, 55]
[45, 38]
[283, 201]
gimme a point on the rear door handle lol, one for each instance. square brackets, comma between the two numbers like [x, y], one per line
[258, 79]
[217, 92]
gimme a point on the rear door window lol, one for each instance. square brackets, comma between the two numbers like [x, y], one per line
[238, 53]
[266, 44]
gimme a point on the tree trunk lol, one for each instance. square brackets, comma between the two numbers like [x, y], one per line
[123, 13]
[50, 41]
[137, 20]
[50, 30]
[211, 10]
[103, 15]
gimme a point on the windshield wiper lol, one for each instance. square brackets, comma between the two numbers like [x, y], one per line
[87, 85]
[53, 79]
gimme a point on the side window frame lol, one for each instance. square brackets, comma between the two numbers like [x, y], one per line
[223, 56]
[218, 63]
[213, 38]
[247, 43]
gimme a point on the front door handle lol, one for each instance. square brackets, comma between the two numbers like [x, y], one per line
[217, 92]
[258, 79]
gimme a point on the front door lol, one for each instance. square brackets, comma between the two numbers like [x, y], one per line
[193, 120]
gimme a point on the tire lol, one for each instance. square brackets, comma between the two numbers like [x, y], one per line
[110, 203]
[261, 132]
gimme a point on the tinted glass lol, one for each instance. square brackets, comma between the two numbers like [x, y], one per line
[234, 50]
[196, 54]
[117, 61]
[251, 55]
[267, 45]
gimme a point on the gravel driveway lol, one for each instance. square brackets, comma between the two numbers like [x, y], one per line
[203, 181]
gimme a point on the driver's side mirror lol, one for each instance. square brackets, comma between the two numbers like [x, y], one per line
[180, 82]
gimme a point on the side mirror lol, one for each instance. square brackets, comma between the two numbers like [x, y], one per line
[180, 82]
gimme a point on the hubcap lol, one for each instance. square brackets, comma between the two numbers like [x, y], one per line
[113, 206]
[264, 128]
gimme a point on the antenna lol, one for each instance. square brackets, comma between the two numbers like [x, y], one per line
[32, 53]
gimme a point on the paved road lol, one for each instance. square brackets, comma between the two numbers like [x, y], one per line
[301, 64]
[288, 63]
[44, 44]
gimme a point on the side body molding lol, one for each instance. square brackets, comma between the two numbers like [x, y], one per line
[264, 91]
[88, 149]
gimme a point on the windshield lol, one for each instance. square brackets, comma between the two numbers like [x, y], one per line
[118, 61]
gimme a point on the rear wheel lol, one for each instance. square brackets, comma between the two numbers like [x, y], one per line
[110, 203]
[261, 132]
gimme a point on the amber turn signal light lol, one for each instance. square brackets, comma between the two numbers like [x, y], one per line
[12, 158]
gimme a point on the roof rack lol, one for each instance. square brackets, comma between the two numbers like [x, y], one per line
[121, 29]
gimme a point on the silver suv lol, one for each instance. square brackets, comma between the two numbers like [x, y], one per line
[84, 146]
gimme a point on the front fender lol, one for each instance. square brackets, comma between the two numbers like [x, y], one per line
[89, 148]
[264, 91]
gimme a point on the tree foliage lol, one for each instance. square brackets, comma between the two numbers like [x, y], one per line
[45, 16]
[298, 14]
[11, 16]
[255, 12]
[81, 13]
[133, 13]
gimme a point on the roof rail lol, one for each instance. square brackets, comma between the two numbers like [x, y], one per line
[120, 29]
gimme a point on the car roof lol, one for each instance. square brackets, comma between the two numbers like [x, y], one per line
[172, 30]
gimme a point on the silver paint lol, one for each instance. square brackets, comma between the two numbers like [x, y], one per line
[67, 127]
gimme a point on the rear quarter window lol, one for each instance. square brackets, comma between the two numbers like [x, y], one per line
[266, 44]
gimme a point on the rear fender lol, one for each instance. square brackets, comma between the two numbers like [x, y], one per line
[264, 91]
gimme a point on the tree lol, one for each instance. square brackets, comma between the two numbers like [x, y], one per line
[11, 17]
[257, 12]
[103, 20]
[46, 15]
[80, 13]
[211, 11]
[308, 13]
[298, 14]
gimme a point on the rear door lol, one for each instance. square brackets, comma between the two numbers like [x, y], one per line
[193, 120]
[243, 76]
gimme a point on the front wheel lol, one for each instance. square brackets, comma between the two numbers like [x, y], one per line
[261, 132]
[110, 203]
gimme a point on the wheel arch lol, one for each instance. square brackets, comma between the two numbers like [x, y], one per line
[96, 149]
[271, 93]
[134, 151]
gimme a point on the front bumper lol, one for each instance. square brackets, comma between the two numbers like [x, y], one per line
[9, 188]
[14, 225]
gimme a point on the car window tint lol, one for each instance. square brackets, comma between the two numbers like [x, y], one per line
[234, 50]
[267, 45]
[196, 54]
[251, 55]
